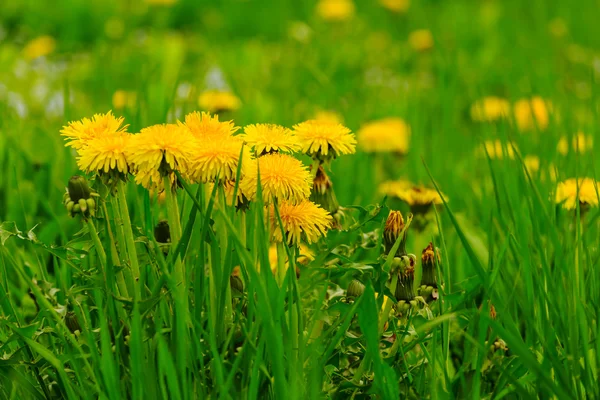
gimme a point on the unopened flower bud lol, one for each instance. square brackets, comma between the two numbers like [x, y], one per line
[162, 232]
[355, 288]
[72, 322]
[79, 198]
[78, 188]
[429, 259]
[323, 193]
[394, 225]
[237, 286]
[406, 277]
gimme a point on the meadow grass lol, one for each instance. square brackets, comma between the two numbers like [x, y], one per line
[517, 270]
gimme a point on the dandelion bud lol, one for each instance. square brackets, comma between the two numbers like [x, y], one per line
[236, 283]
[78, 188]
[355, 288]
[79, 198]
[404, 288]
[428, 261]
[323, 193]
[162, 232]
[72, 322]
[393, 227]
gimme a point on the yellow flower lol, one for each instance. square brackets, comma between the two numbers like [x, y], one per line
[329, 116]
[579, 143]
[496, 149]
[306, 256]
[566, 193]
[420, 40]
[39, 47]
[217, 158]
[122, 99]
[203, 125]
[218, 101]
[323, 139]
[490, 109]
[303, 221]
[104, 154]
[157, 150]
[413, 195]
[228, 188]
[161, 2]
[269, 138]
[532, 113]
[335, 10]
[79, 133]
[398, 6]
[282, 177]
[385, 135]
[532, 163]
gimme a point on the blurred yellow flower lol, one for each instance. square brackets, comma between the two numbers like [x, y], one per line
[411, 194]
[114, 28]
[532, 163]
[324, 139]
[496, 149]
[39, 47]
[79, 133]
[579, 143]
[270, 138]
[558, 27]
[420, 40]
[161, 2]
[398, 6]
[567, 193]
[123, 98]
[216, 101]
[385, 135]
[532, 113]
[306, 256]
[105, 154]
[335, 10]
[204, 126]
[217, 158]
[304, 221]
[490, 109]
[329, 116]
[282, 177]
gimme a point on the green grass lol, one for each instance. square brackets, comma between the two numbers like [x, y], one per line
[502, 239]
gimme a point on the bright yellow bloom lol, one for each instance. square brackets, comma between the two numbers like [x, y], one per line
[398, 6]
[335, 10]
[490, 109]
[413, 195]
[496, 149]
[532, 163]
[532, 113]
[579, 143]
[203, 125]
[282, 177]
[79, 133]
[158, 149]
[303, 221]
[385, 135]
[566, 193]
[325, 139]
[123, 98]
[39, 47]
[218, 101]
[217, 158]
[269, 138]
[329, 116]
[420, 40]
[104, 154]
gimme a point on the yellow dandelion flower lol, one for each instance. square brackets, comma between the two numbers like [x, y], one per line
[385, 135]
[79, 133]
[228, 188]
[105, 154]
[329, 116]
[158, 149]
[203, 125]
[39, 47]
[304, 221]
[579, 143]
[217, 101]
[497, 149]
[411, 194]
[282, 177]
[323, 139]
[398, 6]
[217, 158]
[123, 98]
[420, 40]
[335, 10]
[269, 138]
[532, 163]
[567, 193]
[306, 256]
[532, 113]
[490, 109]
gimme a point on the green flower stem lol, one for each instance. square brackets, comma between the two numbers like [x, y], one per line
[122, 243]
[123, 291]
[98, 244]
[281, 259]
[129, 241]
[385, 313]
[314, 168]
[175, 229]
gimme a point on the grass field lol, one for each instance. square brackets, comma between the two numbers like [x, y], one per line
[152, 261]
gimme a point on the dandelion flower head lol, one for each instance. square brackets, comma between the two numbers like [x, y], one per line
[304, 221]
[79, 133]
[105, 154]
[216, 101]
[269, 138]
[335, 10]
[490, 109]
[204, 125]
[531, 114]
[325, 140]
[385, 135]
[217, 158]
[579, 143]
[567, 193]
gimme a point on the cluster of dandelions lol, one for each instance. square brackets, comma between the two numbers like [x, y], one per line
[204, 150]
